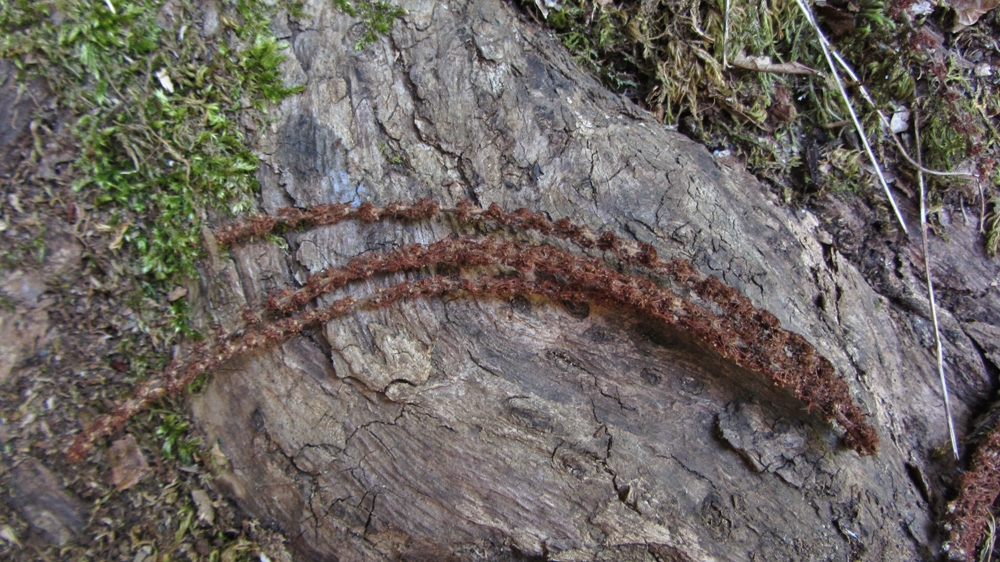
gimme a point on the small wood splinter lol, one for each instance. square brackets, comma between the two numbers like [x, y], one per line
[671, 292]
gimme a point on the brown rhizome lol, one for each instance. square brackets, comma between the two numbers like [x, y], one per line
[631, 276]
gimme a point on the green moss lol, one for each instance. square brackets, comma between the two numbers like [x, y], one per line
[158, 110]
[951, 134]
[842, 170]
[377, 18]
[199, 384]
[6, 303]
[172, 432]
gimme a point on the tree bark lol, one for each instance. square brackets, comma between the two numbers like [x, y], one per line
[475, 428]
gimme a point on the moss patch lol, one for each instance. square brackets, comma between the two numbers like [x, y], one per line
[686, 61]
[160, 107]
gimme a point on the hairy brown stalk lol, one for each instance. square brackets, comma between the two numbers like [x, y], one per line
[321, 215]
[684, 274]
[178, 376]
[750, 338]
[978, 489]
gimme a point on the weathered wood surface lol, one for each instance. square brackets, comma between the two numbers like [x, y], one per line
[479, 429]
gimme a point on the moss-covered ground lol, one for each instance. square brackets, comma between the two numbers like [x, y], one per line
[141, 135]
[150, 108]
[751, 78]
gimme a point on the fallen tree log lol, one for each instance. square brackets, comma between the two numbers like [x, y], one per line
[471, 427]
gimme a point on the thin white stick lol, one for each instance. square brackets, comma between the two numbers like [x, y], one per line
[825, 46]
[930, 291]
[725, 37]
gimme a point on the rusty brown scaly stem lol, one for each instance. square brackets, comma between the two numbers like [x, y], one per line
[978, 489]
[750, 338]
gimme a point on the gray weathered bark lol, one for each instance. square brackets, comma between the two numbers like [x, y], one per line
[474, 428]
